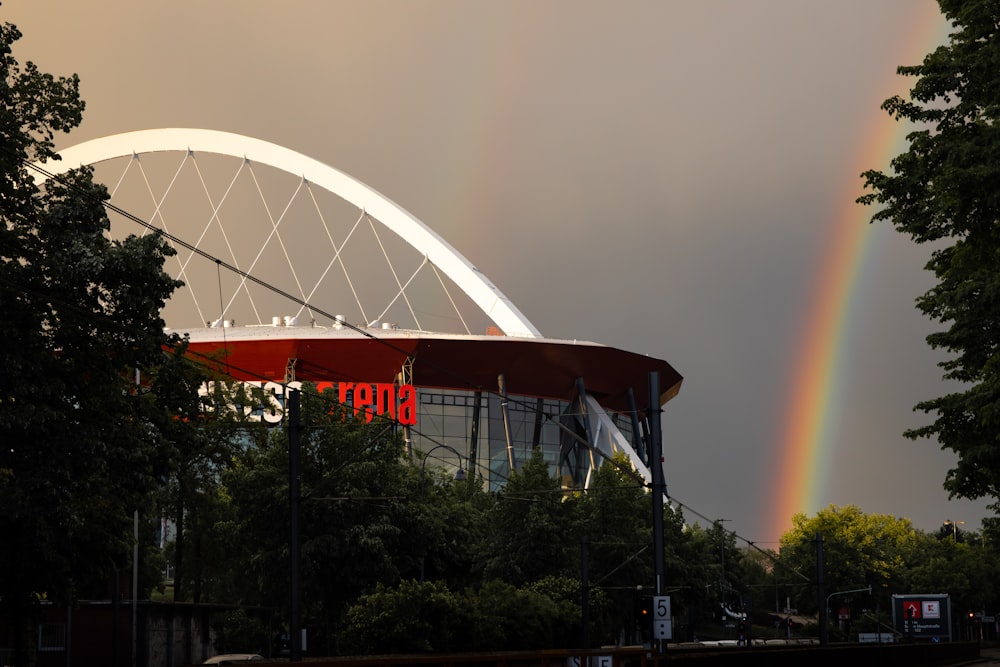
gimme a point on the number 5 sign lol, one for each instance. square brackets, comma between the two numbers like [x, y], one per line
[662, 627]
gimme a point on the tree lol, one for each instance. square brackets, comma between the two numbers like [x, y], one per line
[414, 617]
[355, 489]
[206, 434]
[859, 550]
[714, 573]
[567, 596]
[410, 618]
[616, 519]
[79, 314]
[447, 527]
[529, 528]
[945, 189]
[509, 617]
[959, 569]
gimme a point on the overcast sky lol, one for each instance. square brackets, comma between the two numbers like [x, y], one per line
[664, 177]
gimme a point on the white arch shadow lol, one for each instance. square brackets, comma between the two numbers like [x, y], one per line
[471, 280]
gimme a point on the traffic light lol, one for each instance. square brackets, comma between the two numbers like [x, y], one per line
[646, 618]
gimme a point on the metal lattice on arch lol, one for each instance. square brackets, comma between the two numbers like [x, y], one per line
[293, 222]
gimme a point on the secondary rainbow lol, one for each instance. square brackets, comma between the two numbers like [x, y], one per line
[807, 439]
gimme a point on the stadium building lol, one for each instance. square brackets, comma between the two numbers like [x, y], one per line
[262, 229]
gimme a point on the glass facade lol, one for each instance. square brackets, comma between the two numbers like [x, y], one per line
[477, 424]
[493, 434]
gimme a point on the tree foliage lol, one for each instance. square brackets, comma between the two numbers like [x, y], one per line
[356, 510]
[888, 554]
[859, 550]
[945, 190]
[960, 569]
[409, 618]
[80, 316]
[525, 526]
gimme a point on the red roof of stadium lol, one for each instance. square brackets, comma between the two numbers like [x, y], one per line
[530, 366]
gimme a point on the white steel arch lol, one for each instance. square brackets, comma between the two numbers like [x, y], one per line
[471, 280]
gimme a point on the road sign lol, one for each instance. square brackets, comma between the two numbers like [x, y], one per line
[662, 626]
[922, 617]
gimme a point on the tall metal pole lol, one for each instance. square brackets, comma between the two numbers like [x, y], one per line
[824, 631]
[656, 470]
[135, 565]
[294, 492]
[135, 584]
[584, 596]
[659, 487]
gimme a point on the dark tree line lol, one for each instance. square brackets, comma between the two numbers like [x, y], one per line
[399, 556]
[396, 555]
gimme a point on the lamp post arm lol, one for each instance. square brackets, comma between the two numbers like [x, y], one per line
[423, 464]
[854, 590]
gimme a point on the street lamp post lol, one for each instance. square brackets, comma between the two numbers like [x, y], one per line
[459, 474]
[954, 528]
[854, 590]
[459, 477]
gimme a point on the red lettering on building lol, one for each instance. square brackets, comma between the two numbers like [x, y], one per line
[396, 402]
[407, 404]
[363, 402]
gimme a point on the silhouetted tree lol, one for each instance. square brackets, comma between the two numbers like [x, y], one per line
[945, 190]
[529, 528]
[79, 314]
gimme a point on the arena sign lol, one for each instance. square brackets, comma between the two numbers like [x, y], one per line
[363, 400]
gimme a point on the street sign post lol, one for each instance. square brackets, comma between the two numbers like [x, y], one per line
[662, 625]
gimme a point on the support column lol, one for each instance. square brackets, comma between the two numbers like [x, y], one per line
[506, 421]
[639, 441]
[477, 408]
[581, 391]
[406, 377]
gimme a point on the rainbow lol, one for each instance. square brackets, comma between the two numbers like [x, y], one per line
[807, 438]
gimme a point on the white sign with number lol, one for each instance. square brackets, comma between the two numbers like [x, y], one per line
[662, 626]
